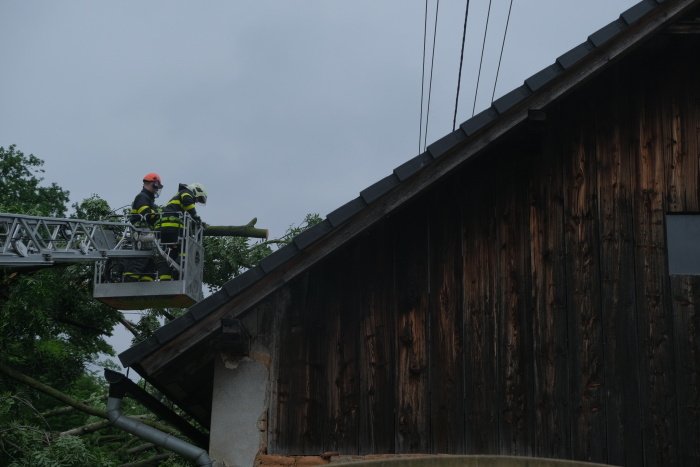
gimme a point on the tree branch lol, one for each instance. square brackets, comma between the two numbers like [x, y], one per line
[149, 461]
[56, 394]
[139, 448]
[85, 429]
[235, 231]
[49, 391]
[129, 326]
[57, 411]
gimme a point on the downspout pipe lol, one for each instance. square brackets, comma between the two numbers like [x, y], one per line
[150, 434]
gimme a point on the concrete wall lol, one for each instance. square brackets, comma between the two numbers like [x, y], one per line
[239, 406]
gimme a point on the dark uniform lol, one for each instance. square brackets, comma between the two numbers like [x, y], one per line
[144, 214]
[171, 225]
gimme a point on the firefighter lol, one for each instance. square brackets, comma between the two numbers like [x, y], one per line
[171, 223]
[144, 214]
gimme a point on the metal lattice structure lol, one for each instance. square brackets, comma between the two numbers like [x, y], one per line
[32, 241]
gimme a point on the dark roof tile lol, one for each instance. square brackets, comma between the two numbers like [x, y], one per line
[479, 121]
[345, 212]
[573, 56]
[446, 143]
[235, 285]
[310, 235]
[212, 302]
[604, 34]
[405, 170]
[637, 12]
[514, 97]
[543, 77]
[135, 353]
[279, 257]
[379, 189]
[173, 328]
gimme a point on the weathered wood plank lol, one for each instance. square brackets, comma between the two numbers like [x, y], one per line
[411, 273]
[549, 318]
[293, 372]
[377, 333]
[685, 111]
[583, 286]
[480, 314]
[680, 113]
[315, 330]
[686, 310]
[617, 279]
[655, 323]
[342, 375]
[514, 332]
[446, 322]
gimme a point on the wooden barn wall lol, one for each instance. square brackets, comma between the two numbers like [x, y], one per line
[523, 306]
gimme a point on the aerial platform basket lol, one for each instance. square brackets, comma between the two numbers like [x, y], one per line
[189, 266]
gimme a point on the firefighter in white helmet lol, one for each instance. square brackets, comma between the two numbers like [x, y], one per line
[171, 224]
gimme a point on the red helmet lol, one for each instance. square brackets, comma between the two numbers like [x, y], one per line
[153, 177]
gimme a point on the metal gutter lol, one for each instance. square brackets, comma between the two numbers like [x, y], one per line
[117, 391]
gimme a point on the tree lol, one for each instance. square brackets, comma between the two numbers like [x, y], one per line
[50, 327]
[51, 406]
[20, 179]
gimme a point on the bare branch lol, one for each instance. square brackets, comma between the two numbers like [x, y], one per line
[85, 429]
[149, 461]
[140, 448]
[56, 394]
[129, 326]
[57, 411]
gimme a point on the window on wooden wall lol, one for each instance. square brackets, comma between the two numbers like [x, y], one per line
[683, 243]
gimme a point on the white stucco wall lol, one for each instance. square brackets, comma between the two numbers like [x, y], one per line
[238, 404]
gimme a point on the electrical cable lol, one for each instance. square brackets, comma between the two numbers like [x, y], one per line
[481, 61]
[501, 54]
[430, 83]
[422, 80]
[461, 60]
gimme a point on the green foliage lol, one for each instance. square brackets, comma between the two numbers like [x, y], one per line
[20, 179]
[62, 451]
[93, 208]
[228, 257]
[52, 329]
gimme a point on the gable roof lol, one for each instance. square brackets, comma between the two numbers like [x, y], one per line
[574, 67]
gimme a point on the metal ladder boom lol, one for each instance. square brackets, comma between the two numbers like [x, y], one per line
[44, 241]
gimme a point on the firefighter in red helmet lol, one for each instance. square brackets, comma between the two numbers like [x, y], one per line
[144, 213]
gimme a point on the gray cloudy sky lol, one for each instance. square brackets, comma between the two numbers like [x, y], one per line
[279, 108]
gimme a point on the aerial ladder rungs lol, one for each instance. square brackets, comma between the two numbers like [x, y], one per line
[32, 241]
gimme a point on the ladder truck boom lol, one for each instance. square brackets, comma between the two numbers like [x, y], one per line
[32, 241]
[43, 241]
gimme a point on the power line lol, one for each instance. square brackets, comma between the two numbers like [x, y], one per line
[501, 54]
[430, 84]
[461, 60]
[422, 80]
[481, 61]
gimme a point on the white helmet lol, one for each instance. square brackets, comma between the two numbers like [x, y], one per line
[200, 194]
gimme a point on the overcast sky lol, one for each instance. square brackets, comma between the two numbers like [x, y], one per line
[279, 108]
